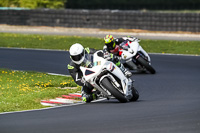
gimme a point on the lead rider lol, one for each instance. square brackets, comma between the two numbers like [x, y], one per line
[81, 56]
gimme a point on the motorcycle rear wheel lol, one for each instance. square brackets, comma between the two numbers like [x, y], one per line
[144, 63]
[117, 94]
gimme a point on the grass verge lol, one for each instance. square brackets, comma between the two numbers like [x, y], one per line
[20, 90]
[64, 43]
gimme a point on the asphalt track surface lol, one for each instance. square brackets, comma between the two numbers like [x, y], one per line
[169, 100]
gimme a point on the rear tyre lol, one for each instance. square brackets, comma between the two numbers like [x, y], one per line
[117, 94]
[135, 94]
[144, 63]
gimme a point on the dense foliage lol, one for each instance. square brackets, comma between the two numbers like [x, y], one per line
[33, 3]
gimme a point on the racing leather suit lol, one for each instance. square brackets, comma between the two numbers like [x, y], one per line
[116, 53]
[118, 41]
[76, 73]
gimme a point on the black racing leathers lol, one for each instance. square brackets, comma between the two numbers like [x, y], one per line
[74, 69]
[76, 73]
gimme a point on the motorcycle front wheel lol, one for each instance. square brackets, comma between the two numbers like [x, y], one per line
[135, 94]
[144, 63]
[117, 94]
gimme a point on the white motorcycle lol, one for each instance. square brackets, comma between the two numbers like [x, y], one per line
[135, 57]
[106, 77]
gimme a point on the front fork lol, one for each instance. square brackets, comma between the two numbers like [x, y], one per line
[140, 54]
[127, 88]
[144, 54]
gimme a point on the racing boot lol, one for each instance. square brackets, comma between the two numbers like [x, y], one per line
[88, 97]
[127, 73]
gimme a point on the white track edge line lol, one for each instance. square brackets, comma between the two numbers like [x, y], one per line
[75, 104]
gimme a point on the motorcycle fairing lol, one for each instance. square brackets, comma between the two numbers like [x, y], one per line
[88, 72]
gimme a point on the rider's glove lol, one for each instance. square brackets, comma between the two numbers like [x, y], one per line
[116, 58]
[107, 56]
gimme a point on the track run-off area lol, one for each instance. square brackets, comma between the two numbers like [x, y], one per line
[169, 100]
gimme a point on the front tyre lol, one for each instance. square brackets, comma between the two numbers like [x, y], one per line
[117, 94]
[135, 94]
[144, 63]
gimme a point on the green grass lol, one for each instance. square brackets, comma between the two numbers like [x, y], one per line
[46, 41]
[64, 43]
[173, 47]
[24, 90]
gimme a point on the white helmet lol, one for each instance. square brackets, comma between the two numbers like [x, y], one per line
[77, 53]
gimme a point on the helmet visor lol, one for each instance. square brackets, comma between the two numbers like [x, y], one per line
[77, 57]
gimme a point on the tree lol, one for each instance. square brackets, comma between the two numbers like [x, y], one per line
[34, 3]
